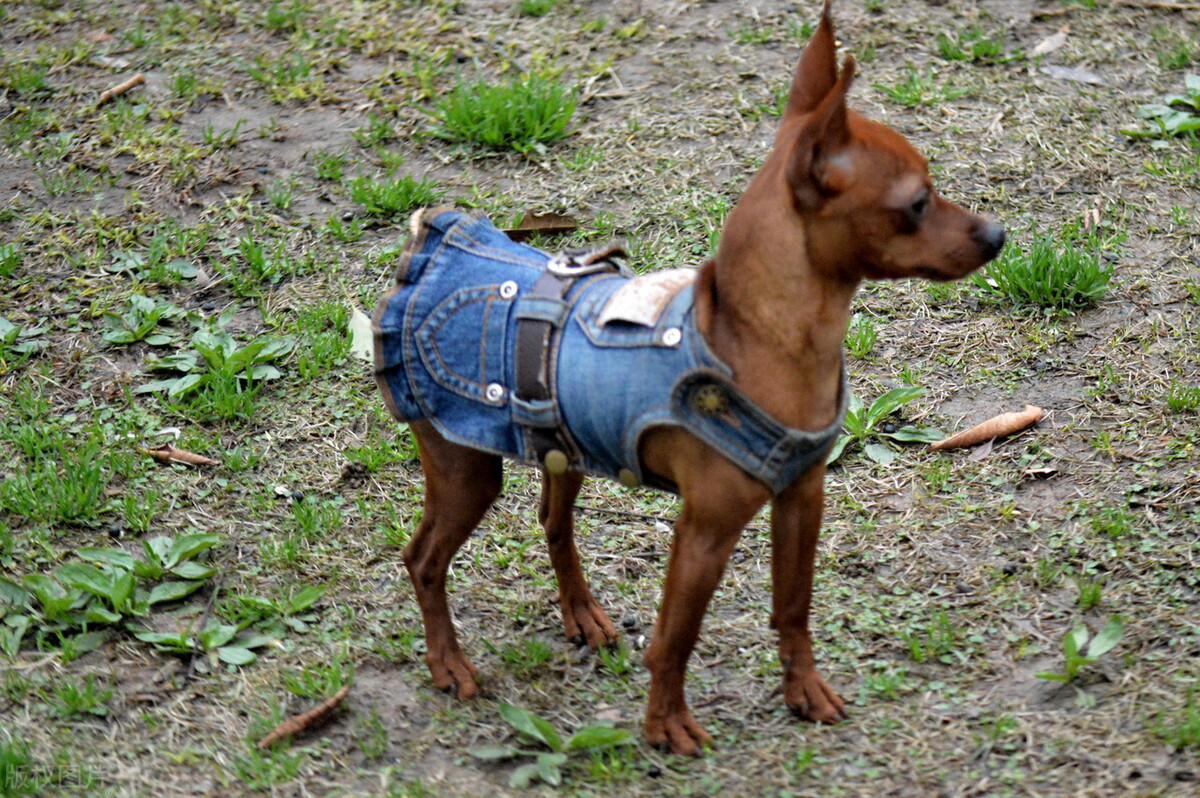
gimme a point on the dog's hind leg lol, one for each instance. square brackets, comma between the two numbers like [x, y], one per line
[584, 619]
[460, 486]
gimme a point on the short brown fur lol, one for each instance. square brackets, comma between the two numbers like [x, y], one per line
[839, 200]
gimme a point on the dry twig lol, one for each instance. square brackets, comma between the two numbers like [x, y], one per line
[305, 720]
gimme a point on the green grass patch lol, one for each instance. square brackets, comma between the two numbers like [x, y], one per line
[524, 114]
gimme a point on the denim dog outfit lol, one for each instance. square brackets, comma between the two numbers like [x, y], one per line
[564, 361]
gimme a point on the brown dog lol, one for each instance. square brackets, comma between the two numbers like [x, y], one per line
[840, 199]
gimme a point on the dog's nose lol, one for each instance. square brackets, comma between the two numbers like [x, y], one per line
[990, 238]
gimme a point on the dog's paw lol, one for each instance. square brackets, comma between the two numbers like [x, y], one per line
[811, 698]
[678, 733]
[455, 675]
[587, 622]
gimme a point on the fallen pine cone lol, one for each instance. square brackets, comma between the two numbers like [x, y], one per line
[304, 721]
[995, 427]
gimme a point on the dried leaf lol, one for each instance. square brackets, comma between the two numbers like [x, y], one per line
[542, 224]
[168, 453]
[304, 721]
[995, 427]
[1051, 42]
[362, 336]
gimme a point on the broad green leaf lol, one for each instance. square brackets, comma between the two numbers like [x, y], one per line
[547, 768]
[193, 570]
[305, 598]
[12, 594]
[170, 641]
[108, 556]
[910, 434]
[1057, 677]
[1074, 642]
[12, 632]
[233, 655]
[836, 451]
[531, 725]
[880, 453]
[216, 634]
[523, 776]
[89, 641]
[184, 384]
[598, 737]
[264, 372]
[173, 591]
[890, 402]
[493, 752]
[1107, 638]
[254, 640]
[98, 614]
[86, 576]
[188, 546]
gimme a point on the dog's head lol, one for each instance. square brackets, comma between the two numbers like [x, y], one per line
[861, 190]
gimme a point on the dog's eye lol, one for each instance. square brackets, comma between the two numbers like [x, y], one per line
[917, 210]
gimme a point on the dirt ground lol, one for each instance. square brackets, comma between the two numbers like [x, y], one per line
[946, 581]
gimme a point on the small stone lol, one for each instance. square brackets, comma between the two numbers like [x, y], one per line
[348, 216]
[629, 622]
[297, 495]
[963, 587]
[1010, 568]
[654, 771]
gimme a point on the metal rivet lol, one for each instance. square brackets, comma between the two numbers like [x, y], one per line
[555, 461]
[508, 289]
[495, 392]
[710, 400]
[628, 478]
[672, 336]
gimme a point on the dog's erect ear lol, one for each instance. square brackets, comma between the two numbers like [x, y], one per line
[813, 172]
[817, 70]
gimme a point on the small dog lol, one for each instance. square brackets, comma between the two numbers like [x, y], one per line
[725, 384]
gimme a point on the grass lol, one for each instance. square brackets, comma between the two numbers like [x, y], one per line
[255, 191]
[1057, 274]
[524, 114]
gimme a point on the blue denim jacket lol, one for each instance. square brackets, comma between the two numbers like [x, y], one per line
[444, 341]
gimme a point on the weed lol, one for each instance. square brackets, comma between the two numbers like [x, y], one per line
[1090, 592]
[370, 734]
[18, 343]
[1182, 398]
[330, 165]
[281, 193]
[222, 139]
[536, 8]
[1182, 731]
[616, 659]
[1064, 276]
[1081, 649]
[376, 131]
[141, 322]
[971, 45]
[917, 88]
[863, 422]
[86, 698]
[885, 682]
[67, 485]
[526, 657]
[750, 33]
[524, 114]
[1176, 115]
[390, 198]
[861, 335]
[546, 767]
[284, 17]
[10, 259]
[19, 774]
[939, 640]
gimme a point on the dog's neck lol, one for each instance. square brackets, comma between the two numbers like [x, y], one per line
[777, 318]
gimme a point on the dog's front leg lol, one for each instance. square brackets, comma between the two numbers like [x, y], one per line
[714, 513]
[583, 618]
[795, 526]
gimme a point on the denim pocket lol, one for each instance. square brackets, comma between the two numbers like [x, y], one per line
[462, 342]
[662, 329]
